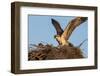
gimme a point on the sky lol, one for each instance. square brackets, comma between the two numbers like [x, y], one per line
[41, 29]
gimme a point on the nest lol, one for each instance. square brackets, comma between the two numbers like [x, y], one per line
[50, 52]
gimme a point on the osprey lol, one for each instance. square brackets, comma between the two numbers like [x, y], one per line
[63, 35]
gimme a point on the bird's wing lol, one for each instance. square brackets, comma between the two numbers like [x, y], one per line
[72, 25]
[57, 26]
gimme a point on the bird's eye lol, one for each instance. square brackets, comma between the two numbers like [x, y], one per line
[54, 36]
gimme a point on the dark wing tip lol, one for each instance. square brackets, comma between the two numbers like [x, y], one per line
[57, 26]
[53, 21]
[84, 19]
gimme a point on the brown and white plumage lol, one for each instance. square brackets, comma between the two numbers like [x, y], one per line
[57, 26]
[63, 36]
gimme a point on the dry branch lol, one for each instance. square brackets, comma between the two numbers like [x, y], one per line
[48, 52]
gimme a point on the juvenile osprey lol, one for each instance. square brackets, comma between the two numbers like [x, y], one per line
[63, 36]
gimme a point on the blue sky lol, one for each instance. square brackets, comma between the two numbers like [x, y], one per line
[41, 29]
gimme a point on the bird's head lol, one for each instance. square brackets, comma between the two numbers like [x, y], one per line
[56, 36]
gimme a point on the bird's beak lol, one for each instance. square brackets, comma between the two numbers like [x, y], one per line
[54, 37]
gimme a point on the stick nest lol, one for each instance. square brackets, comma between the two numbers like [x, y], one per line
[50, 52]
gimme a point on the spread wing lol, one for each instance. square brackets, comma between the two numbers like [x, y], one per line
[72, 25]
[57, 26]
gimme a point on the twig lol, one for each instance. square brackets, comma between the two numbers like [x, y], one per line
[44, 42]
[82, 43]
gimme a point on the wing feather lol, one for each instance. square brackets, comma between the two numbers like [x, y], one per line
[72, 25]
[57, 26]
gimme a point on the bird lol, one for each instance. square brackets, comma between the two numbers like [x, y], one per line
[62, 36]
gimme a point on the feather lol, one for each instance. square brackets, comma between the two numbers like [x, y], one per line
[57, 26]
[72, 25]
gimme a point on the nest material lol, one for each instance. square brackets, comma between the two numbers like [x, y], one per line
[49, 52]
